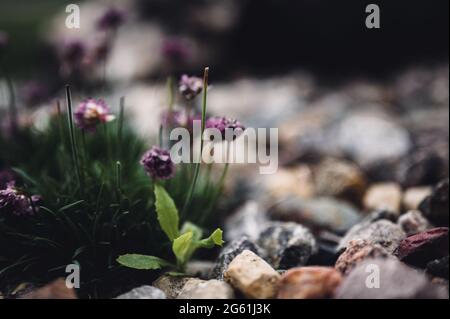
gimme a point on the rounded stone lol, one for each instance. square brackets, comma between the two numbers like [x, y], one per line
[309, 283]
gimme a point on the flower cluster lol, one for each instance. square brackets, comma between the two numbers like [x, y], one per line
[6, 176]
[72, 54]
[34, 92]
[175, 50]
[158, 164]
[223, 123]
[190, 86]
[92, 112]
[111, 19]
[14, 202]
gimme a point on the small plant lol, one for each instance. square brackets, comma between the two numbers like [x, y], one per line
[185, 241]
[87, 192]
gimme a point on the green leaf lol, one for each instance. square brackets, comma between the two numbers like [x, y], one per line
[70, 206]
[167, 213]
[146, 262]
[24, 176]
[182, 247]
[197, 232]
[214, 239]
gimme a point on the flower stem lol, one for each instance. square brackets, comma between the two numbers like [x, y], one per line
[72, 138]
[120, 126]
[188, 201]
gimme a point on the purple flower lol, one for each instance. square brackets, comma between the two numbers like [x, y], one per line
[158, 164]
[190, 86]
[6, 176]
[92, 112]
[34, 93]
[12, 201]
[4, 40]
[111, 19]
[174, 119]
[223, 123]
[72, 54]
[175, 50]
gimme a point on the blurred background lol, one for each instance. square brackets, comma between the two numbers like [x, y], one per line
[377, 97]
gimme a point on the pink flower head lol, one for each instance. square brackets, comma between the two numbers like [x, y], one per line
[158, 164]
[223, 123]
[190, 86]
[111, 19]
[14, 202]
[92, 112]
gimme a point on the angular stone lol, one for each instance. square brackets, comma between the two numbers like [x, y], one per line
[356, 252]
[318, 213]
[229, 252]
[419, 249]
[309, 283]
[388, 279]
[201, 289]
[171, 285]
[249, 220]
[384, 196]
[338, 178]
[413, 196]
[55, 290]
[287, 245]
[438, 268]
[436, 207]
[382, 232]
[143, 292]
[413, 222]
[251, 275]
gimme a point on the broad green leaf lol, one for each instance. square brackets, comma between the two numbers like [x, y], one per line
[137, 261]
[197, 233]
[214, 239]
[182, 247]
[167, 212]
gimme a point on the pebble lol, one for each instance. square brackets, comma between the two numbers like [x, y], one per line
[297, 180]
[309, 283]
[413, 196]
[201, 289]
[249, 220]
[287, 245]
[384, 196]
[413, 222]
[199, 269]
[356, 252]
[318, 213]
[171, 285]
[438, 267]
[338, 178]
[54, 290]
[435, 207]
[143, 292]
[382, 232]
[229, 252]
[371, 137]
[251, 275]
[396, 281]
[419, 249]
